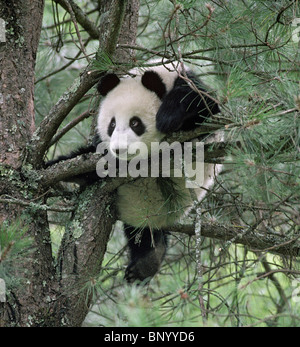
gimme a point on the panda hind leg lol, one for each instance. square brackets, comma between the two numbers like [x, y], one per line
[147, 250]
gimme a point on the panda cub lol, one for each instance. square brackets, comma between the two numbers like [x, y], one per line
[143, 108]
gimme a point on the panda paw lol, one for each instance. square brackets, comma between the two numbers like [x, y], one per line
[167, 123]
[142, 269]
[131, 275]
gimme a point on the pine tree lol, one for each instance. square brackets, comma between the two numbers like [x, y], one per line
[56, 259]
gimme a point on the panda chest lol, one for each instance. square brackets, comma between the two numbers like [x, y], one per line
[143, 204]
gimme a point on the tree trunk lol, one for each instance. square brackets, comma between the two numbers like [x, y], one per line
[17, 63]
[43, 293]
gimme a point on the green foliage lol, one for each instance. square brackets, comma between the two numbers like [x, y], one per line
[102, 62]
[14, 245]
[243, 50]
[237, 290]
[12, 238]
[59, 62]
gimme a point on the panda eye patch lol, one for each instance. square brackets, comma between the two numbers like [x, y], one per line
[111, 126]
[134, 123]
[137, 126]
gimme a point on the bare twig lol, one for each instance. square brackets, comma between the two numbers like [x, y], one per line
[70, 125]
[198, 227]
[63, 67]
[73, 17]
[48, 127]
[81, 17]
[256, 240]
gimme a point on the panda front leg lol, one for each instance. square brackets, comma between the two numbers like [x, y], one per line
[183, 108]
[147, 250]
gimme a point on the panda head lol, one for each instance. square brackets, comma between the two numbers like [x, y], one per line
[127, 114]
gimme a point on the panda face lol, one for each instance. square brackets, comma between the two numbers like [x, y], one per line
[124, 132]
[127, 118]
[135, 123]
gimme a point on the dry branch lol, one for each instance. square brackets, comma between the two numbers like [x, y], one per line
[67, 169]
[50, 124]
[81, 17]
[57, 114]
[255, 240]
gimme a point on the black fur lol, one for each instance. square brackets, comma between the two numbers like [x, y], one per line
[74, 154]
[147, 250]
[107, 83]
[183, 108]
[111, 127]
[152, 81]
[82, 179]
[137, 125]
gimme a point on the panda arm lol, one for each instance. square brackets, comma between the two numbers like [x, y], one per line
[79, 151]
[82, 179]
[183, 108]
[147, 254]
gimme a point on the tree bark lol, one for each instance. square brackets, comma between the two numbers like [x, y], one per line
[82, 251]
[253, 238]
[17, 63]
[44, 293]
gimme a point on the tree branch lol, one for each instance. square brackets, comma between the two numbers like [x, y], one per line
[86, 236]
[48, 127]
[71, 125]
[256, 240]
[81, 17]
[82, 251]
[66, 170]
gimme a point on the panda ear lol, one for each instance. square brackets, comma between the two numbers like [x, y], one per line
[152, 81]
[107, 83]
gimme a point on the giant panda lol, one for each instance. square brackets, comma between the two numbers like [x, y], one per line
[144, 106]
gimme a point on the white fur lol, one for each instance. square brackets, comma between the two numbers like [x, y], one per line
[167, 72]
[141, 203]
[130, 98]
[211, 171]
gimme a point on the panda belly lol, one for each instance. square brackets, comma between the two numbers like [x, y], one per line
[143, 204]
